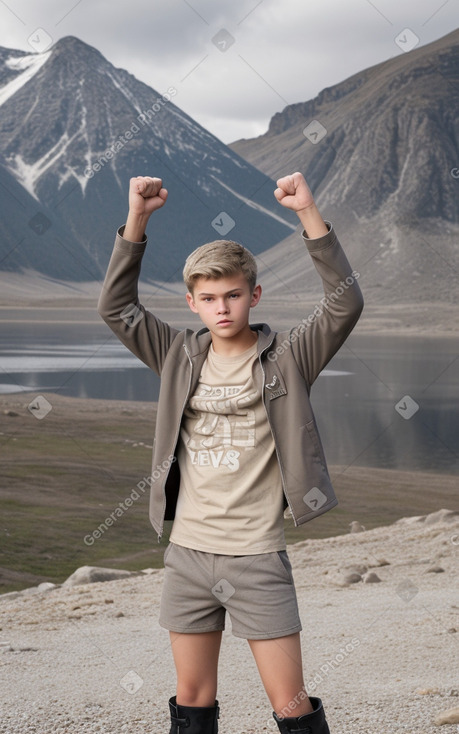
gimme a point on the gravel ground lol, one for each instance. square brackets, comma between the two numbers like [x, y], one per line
[382, 656]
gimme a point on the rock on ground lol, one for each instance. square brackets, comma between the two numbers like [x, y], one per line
[93, 574]
[451, 716]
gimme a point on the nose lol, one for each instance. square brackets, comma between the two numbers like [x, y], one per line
[222, 306]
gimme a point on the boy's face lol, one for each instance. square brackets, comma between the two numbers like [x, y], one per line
[223, 304]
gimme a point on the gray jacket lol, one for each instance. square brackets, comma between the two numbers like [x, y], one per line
[289, 363]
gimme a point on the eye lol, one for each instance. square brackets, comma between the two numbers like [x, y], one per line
[234, 295]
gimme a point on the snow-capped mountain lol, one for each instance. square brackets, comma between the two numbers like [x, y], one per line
[74, 129]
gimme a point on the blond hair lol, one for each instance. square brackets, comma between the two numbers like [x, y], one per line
[219, 259]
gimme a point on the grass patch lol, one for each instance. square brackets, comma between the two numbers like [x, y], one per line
[63, 476]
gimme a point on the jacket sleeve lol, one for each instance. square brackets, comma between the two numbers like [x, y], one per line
[144, 334]
[321, 333]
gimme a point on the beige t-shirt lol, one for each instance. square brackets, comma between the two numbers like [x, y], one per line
[230, 499]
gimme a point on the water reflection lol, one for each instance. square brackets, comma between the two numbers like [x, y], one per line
[354, 398]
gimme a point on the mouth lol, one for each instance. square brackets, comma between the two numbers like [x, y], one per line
[224, 322]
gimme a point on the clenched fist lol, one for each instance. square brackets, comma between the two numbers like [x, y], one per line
[146, 194]
[293, 192]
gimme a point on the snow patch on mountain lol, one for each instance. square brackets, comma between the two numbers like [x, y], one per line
[30, 173]
[24, 173]
[28, 67]
[88, 151]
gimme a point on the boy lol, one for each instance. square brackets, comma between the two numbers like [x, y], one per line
[236, 443]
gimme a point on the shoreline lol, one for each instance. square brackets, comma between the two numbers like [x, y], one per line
[426, 320]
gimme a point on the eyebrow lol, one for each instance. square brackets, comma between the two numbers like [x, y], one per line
[233, 290]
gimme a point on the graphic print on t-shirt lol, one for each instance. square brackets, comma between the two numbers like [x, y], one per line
[230, 498]
[224, 424]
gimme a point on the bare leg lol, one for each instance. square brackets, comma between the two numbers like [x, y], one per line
[196, 663]
[281, 670]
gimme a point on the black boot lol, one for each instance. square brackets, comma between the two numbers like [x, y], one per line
[313, 723]
[193, 719]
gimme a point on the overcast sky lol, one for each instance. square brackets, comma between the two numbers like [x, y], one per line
[234, 64]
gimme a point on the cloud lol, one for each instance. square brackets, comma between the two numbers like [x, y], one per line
[282, 52]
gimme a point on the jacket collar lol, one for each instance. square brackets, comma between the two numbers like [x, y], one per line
[198, 342]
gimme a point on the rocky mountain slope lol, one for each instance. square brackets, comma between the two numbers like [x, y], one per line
[381, 152]
[74, 129]
[34, 238]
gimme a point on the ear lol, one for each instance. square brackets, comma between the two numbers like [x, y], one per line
[256, 295]
[191, 303]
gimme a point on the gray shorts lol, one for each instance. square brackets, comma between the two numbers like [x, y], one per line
[257, 591]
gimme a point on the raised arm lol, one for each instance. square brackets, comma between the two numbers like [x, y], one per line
[321, 333]
[144, 334]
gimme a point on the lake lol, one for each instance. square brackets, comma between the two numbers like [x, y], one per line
[383, 401]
